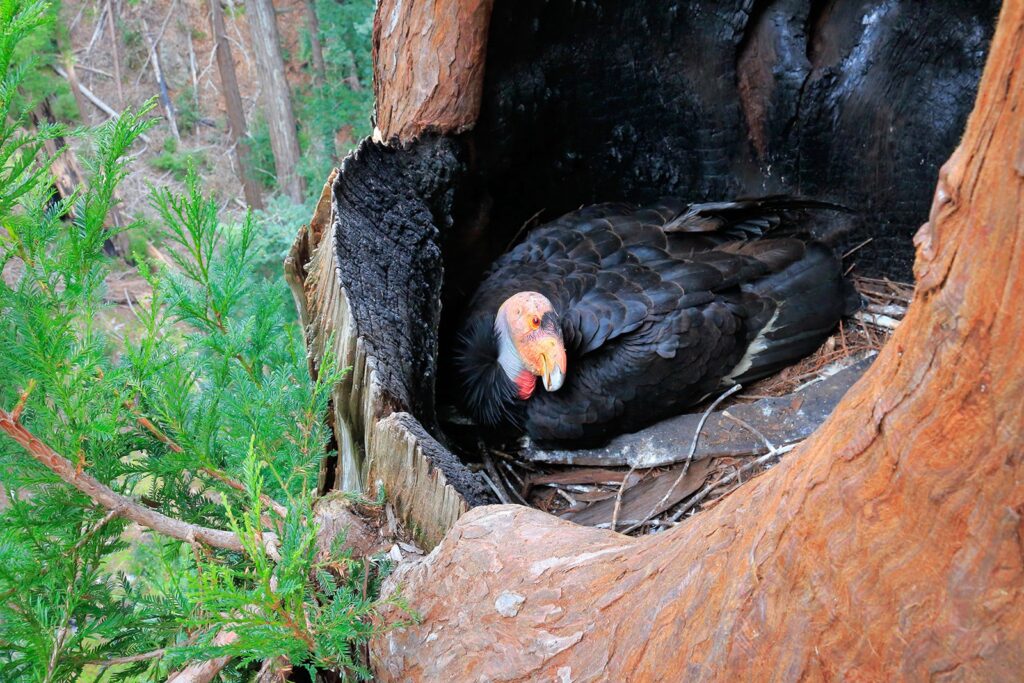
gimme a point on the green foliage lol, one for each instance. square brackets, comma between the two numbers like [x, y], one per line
[34, 52]
[308, 610]
[177, 162]
[278, 222]
[324, 109]
[206, 387]
[186, 108]
[261, 155]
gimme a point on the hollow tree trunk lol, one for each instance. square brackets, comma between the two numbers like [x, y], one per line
[277, 98]
[233, 104]
[888, 547]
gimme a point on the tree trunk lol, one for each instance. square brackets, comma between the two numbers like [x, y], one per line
[887, 547]
[68, 178]
[429, 65]
[233, 104]
[277, 99]
[313, 25]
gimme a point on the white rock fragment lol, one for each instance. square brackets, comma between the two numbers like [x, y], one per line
[508, 604]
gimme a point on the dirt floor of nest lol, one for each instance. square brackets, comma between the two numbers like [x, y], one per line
[648, 501]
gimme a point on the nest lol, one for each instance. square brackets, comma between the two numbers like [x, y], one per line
[641, 501]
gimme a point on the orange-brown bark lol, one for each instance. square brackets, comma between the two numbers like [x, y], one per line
[429, 65]
[888, 547]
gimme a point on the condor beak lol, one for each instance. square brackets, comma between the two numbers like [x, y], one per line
[553, 373]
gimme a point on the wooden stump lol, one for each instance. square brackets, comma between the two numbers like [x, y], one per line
[583, 102]
[887, 548]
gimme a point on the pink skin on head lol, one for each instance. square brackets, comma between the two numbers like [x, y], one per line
[528, 347]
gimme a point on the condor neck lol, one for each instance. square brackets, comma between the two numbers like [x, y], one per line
[511, 362]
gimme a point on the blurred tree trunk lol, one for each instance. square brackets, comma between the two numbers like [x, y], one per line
[313, 24]
[277, 100]
[887, 547]
[68, 177]
[233, 103]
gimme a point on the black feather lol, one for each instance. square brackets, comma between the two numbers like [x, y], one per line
[659, 306]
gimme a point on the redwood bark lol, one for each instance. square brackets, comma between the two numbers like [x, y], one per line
[277, 98]
[233, 104]
[888, 547]
[428, 65]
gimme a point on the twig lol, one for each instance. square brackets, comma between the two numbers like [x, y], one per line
[20, 407]
[156, 41]
[92, 69]
[858, 247]
[689, 456]
[131, 659]
[92, 532]
[110, 499]
[161, 84]
[618, 498]
[750, 428]
[494, 479]
[97, 30]
[89, 95]
[114, 50]
[727, 479]
[223, 478]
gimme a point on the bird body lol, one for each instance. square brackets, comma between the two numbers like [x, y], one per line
[631, 315]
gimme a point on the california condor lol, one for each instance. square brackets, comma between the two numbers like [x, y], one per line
[627, 316]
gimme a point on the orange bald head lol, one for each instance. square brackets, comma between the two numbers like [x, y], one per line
[530, 341]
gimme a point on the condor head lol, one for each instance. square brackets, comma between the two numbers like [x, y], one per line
[530, 342]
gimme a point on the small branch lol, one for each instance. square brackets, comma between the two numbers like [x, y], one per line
[204, 672]
[114, 51]
[689, 457]
[223, 478]
[131, 659]
[159, 37]
[16, 413]
[91, 96]
[728, 479]
[92, 532]
[110, 499]
[618, 498]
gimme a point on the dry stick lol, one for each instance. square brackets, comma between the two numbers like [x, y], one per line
[94, 70]
[96, 32]
[618, 497]
[750, 428]
[114, 50]
[161, 84]
[131, 659]
[89, 95]
[689, 456]
[159, 37]
[493, 480]
[727, 479]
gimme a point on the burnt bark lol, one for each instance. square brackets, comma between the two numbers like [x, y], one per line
[277, 98]
[366, 275]
[233, 104]
[887, 547]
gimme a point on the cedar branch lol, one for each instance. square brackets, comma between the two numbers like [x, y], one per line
[122, 505]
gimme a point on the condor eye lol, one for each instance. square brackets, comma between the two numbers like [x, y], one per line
[535, 322]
